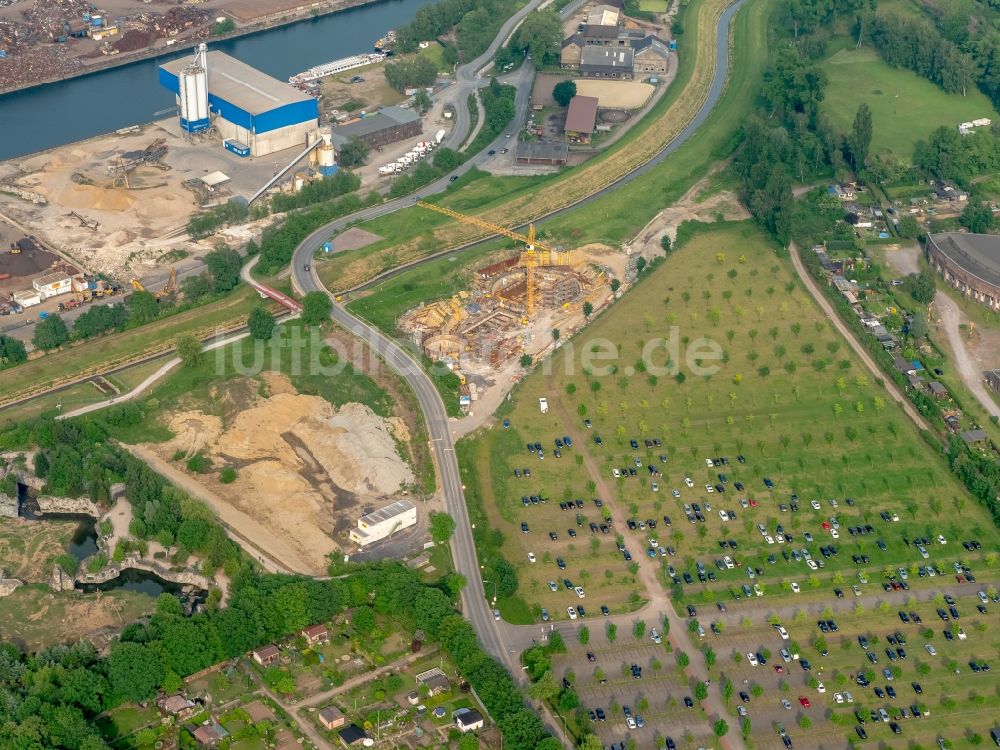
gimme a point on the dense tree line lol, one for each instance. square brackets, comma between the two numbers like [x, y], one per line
[540, 35]
[811, 23]
[205, 223]
[476, 23]
[947, 155]
[343, 181]
[12, 352]
[279, 242]
[499, 108]
[915, 44]
[404, 74]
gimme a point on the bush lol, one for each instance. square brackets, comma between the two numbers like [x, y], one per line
[227, 475]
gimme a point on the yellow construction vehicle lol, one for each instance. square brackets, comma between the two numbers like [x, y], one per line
[137, 285]
[171, 286]
[531, 258]
[15, 249]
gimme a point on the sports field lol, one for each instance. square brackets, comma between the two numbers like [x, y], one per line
[905, 107]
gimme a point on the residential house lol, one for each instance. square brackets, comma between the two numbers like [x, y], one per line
[607, 62]
[651, 55]
[468, 720]
[973, 436]
[581, 117]
[434, 680]
[210, 734]
[352, 735]
[946, 190]
[316, 634]
[266, 655]
[569, 57]
[937, 390]
[332, 717]
[176, 705]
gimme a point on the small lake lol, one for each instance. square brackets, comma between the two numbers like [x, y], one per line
[82, 544]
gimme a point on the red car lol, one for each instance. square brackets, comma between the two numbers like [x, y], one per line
[753, 503]
[779, 669]
[826, 525]
[804, 701]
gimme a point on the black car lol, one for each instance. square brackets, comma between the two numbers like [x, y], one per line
[744, 696]
[561, 563]
[895, 728]
[591, 657]
[786, 740]
[942, 614]
[524, 527]
[916, 688]
[491, 152]
[688, 703]
[692, 612]
[453, 178]
[861, 731]
[601, 716]
[604, 610]
[687, 578]
[804, 663]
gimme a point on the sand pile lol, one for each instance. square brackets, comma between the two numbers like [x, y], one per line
[305, 469]
[91, 197]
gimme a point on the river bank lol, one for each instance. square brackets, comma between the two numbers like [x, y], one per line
[305, 12]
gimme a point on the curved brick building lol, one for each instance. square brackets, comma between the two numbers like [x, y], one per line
[969, 262]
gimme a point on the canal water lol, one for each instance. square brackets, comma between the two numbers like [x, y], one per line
[59, 113]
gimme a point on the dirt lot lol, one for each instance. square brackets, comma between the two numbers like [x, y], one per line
[541, 92]
[354, 238]
[306, 470]
[688, 208]
[27, 548]
[371, 93]
[34, 617]
[27, 265]
[615, 94]
[136, 225]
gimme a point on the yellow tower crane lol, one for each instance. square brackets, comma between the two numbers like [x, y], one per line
[531, 258]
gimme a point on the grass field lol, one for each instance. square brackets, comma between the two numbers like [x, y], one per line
[788, 395]
[905, 107]
[836, 450]
[93, 356]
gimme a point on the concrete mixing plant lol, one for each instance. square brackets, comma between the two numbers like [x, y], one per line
[193, 92]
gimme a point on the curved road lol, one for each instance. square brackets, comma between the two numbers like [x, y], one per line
[501, 640]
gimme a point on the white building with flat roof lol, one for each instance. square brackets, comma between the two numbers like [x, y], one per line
[52, 284]
[384, 522]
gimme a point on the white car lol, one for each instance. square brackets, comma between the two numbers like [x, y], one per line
[571, 611]
[496, 614]
[723, 515]
[656, 487]
[982, 596]
[531, 557]
[782, 632]
[835, 534]
[769, 539]
[708, 463]
[752, 658]
[617, 474]
[757, 590]
[838, 698]
[785, 656]
[961, 634]
[820, 687]
[630, 722]
[856, 589]
[728, 562]
[848, 697]
[654, 636]
[688, 481]
[675, 493]
[579, 591]
[812, 564]
[786, 704]
[709, 488]
[815, 504]
[941, 539]
[553, 587]
[795, 588]
[930, 649]
[741, 710]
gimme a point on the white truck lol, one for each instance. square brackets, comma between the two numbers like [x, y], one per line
[543, 405]
[439, 136]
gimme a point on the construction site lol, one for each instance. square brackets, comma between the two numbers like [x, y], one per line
[512, 305]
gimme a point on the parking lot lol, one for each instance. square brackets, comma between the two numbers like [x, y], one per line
[831, 497]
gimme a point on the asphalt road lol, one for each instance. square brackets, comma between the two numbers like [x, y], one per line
[493, 635]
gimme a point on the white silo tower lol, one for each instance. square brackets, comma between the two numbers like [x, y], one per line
[325, 154]
[193, 92]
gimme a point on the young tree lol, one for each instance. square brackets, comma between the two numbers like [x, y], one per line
[189, 350]
[50, 333]
[563, 92]
[587, 309]
[261, 324]
[224, 264]
[316, 308]
[12, 352]
[860, 139]
[977, 217]
[442, 527]
[422, 101]
[353, 153]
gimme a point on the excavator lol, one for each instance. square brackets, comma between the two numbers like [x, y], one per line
[167, 290]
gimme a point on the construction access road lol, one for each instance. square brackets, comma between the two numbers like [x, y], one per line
[502, 640]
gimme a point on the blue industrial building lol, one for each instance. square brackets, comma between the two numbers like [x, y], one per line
[255, 114]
